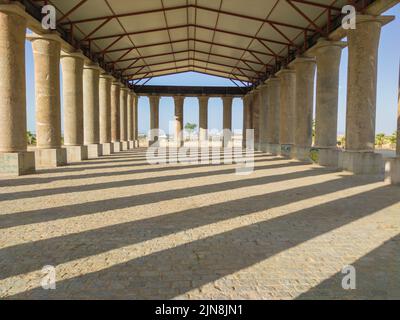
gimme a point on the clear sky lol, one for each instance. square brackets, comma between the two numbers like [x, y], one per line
[388, 74]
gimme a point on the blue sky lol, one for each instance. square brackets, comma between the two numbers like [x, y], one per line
[388, 74]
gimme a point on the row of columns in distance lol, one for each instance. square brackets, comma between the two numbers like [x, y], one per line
[281, 110]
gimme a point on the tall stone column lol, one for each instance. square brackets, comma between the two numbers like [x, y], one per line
[247, 117]
[46, 55]
[115, 122]
[227, 121]
[130, 116]
[256, 101]
[273, 115]
[363, 42]
[14, 158]
[105, 113]
[203, 119]
[136, 121]
[287, 110]
[303, 115]
[123, 112]
[328, 55]
[178, 134]
[72, 75]
[264, 106]
[154, 119]
[91, 119]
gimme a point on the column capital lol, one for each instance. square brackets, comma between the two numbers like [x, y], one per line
[106, 76]
[179, 98]
[14, 8]
[91, 65]
[272, 80]
[227, 98]
[301, 60]
[324, 43]
[73, 54]
[363, 18]
[285, 71]
[50, 36]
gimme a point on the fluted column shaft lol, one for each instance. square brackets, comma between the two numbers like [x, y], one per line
[115, 117]
[287, 103]
[46, 55]
[130, 115]
[178, 134]
[328, 55]
[105, 107]
[305, 77]
[123, 110]
[91, 120]
[264, 106]
[273, 113]
[362, 83]
[12, 81]
[203, 118]
[72, 75]
[136, 119]
[247, 116]
[154, 117]
[256, 101]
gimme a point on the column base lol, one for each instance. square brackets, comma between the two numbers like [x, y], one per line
[18, 163]
[107, 149]
[124, 146]
[136, 143]
[94, 151]
[392, 171]
[325, 157]
[274, 149]
[286, 150]
[50, 158]
[263, 147]
[301, 154]
[370, 163]
[131, 144]
[117, 146]
[76, 153]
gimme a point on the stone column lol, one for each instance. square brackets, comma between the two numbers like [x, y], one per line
[256, 117]
[287, 107]
[264, 106]
[72, 75]
[154, 119]
[91, 119]
[136, 121]
[227, 121]
[363, 42]
[247, 117]
[328, 55]
[273, 115]
[178, 134]
[14, 158]
[123, 111]
[115, 122]
[303, 115]
[130, 116]
[105, 113]
[46, 55]
[203, 119]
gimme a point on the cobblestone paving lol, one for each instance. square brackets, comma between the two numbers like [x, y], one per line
[120, 228]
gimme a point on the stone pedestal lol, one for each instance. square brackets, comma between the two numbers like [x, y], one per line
[76, 153]
[301, 153]
[94, 151]
[274, 149]
[117, 146]
[326, 157]
[18, 163]
[131, 145]
[263, 147]
[124, 145]
[50, 158]
[392, 171]
[361, 162]
[107, 149]
[286, 150]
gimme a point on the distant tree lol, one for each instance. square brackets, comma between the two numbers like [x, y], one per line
[342, 142]
[190, 127]
[380, 139]
[393, 139]
[31, 138]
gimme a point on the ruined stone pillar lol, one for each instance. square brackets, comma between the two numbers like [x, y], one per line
[91, 119]
[154, 119]
[14, 158]
[178, 134]
[203, 119]
[130, 115]
[105, 113]
[227, 121]
[115, 122]
[287, 109]
[328, 55]
[303, 115]
[46, 55]
[72, 75]
[273, 115]
[123, 112]
[363, 42]
[264, 106]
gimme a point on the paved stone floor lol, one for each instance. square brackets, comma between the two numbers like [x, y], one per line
[118, 227]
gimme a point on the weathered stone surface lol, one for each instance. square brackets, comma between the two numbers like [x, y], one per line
[17, 163]
[50, 158]
[76, 153]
